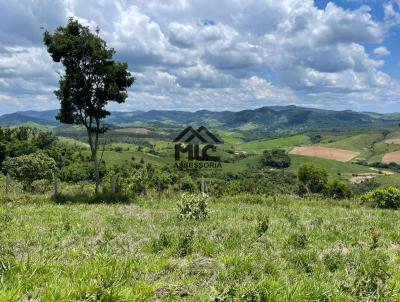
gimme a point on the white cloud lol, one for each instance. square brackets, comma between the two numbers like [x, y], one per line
[211, 54]
[381, 51]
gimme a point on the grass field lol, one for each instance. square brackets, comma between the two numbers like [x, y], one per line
[256, 147]
[333, 167]
[250, 248]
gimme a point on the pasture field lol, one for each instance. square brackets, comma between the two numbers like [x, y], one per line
[333, 167]
[256, 147]
[250, 248]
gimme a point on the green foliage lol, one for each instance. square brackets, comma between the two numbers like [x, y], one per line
[23, 141]
[41, 186]
[27, 168]
[193, 206]
[315, 138]
[185, 244]
[162, 242]
[298, 240]
[338, 189]
[262, 225]
[365, 186]
[388, 198]
[312, 179]
[275, 158]
[371, 274]
[91, 80]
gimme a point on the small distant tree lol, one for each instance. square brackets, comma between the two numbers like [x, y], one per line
[275, 158]
[338, 189]
[315, 138]
[92, 79]
[312, 179]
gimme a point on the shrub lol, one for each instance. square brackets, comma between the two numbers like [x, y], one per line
[338, 189]
[275, 158]
[388, 198]
[193, 206]
[315, 138]
[312, 179]
[41, 186]
[262, 225]
[27, 168]
[365, 186]
[185, 244]
[163, 241]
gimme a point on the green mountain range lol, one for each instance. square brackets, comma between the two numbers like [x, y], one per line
[272, 119]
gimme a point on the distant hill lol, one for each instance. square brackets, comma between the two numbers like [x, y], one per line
[273, 118]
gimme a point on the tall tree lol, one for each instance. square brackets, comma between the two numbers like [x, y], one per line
[91, 80]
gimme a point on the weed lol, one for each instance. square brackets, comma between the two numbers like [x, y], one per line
[162, 242]
[298, 240]
[193, 206]
[262, 225]
[185, 244]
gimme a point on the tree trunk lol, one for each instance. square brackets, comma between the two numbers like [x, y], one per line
[93, 149]
[96, 172]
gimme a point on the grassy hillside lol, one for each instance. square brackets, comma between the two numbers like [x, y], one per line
[333, 167]
[258, 146]
[249, 249]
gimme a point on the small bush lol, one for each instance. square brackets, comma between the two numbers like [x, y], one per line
[338, 189]
[365, 186]
[275, 158]
[262, 225]
[185, 244]
[193, 206]
[162, 242]
[388, 198]
[312, 179]
[41, 186]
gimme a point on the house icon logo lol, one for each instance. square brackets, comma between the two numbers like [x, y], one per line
[200, 136]
[197, 143]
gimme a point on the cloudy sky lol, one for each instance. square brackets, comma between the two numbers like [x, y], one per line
[216, 55]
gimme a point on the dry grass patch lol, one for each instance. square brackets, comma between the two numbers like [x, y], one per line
[327, 153]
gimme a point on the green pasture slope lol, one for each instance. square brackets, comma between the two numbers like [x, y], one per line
[249, 248]
[256, 147]
[370, 146]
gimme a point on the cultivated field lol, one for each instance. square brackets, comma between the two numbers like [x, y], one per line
[392, 157]
[393, 141]
[328, 153]
[250, 248]
[134, 130]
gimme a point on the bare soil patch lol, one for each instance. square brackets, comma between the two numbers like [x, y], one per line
[393, 141]
[328, 153]
[392, 157]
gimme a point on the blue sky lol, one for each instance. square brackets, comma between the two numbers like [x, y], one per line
[216, 55]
